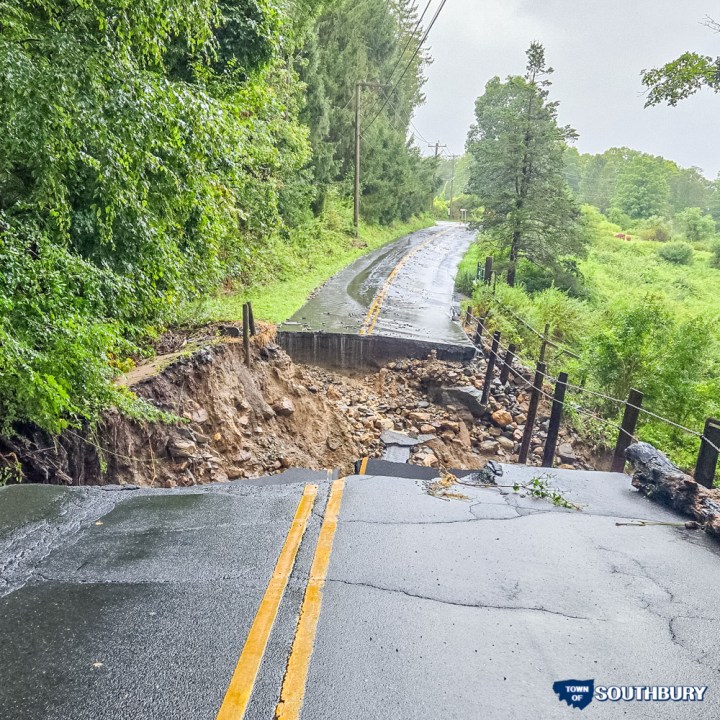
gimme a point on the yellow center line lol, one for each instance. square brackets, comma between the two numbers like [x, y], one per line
[363, 466]
[293, 688]
[243, 679]
[373, 313]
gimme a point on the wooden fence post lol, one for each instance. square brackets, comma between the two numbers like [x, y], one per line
[555, 419]
[532, 413]
[492, 358]
[627, 430]
[488, 269]
[246, 335]
[251, 318]
[507, 364]
[468, 315]
[708, 456]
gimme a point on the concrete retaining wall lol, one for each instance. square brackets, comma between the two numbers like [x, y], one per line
[340, 350]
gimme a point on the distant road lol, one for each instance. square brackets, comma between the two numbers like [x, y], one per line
[404, 289]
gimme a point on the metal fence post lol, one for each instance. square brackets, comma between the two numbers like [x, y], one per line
[627, 429]
[492, 358]
[708, 456]
[507, 364]
[532, 413]
[555, 419]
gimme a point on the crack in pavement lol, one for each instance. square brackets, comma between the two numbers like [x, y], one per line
[478, 606]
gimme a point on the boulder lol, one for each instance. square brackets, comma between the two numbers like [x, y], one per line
[502, 418]
[567, 453]
[284, 407]
[467, 396]
[489, 447]
[506, 443]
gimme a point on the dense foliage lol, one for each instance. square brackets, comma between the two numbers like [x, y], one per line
[517, 170]
[150, 151]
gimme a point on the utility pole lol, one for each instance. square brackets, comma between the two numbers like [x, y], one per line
[358, 89]
[452, 185]
[437, 147]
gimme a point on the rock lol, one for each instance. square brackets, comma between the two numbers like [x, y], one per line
[333, 443]
[565, 466]
[502, 418]
[420, 417]
[180, 448]
[506, 443]
[333, 393]
[520, 418]
[427, 429]
[452, 427]
[566, 453]
[234, 473]
[467, 396]
[200, 416]
[429, 460]
[284, 407]
[489, 447]
[384, 424]
[242, 457]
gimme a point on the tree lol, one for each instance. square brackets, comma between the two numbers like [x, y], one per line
[642, 189]
[683, 77]
[695, 225]
[517, 169]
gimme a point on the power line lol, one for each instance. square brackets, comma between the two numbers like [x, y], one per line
[409, 42]
[410, 62]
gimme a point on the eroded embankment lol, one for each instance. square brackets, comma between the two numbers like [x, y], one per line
[240, 422]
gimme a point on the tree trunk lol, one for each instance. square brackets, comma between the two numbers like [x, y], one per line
[514, 252]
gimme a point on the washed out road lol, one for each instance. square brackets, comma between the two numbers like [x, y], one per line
[142, 603]
[404, 290]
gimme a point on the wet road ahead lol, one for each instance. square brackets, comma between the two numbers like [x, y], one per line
[157, 605]
[404, 289]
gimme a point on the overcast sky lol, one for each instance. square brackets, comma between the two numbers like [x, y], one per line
[598, 49]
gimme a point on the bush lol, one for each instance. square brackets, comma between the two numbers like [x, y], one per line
[679, 253]
[656, 229]
[715, 250]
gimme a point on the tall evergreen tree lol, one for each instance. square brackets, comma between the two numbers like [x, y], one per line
[517, 168]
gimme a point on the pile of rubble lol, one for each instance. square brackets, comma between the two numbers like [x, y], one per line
[242, 422]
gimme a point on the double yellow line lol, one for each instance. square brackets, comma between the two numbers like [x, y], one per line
[292, 693]
[376, 306]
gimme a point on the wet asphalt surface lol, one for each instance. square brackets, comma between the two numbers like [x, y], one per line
[418, 301]
[136, 603]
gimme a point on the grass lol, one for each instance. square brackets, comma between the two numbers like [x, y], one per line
[289, 270]
[675, 362]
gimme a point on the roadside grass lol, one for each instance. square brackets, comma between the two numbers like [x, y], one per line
[289, 270]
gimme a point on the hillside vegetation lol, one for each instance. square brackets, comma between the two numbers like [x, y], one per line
[153, 153]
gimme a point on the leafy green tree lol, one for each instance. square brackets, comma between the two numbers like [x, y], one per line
[695, 225]
[517, 170]
[683, 77]
[642, 189]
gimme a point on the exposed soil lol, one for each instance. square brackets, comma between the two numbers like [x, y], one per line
[241, 422]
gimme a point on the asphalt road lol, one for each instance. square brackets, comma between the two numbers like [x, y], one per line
[138, 603]
[404, 289]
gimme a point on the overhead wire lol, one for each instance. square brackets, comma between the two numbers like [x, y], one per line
[410, 62]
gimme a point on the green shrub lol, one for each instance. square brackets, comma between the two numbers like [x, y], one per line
[680, 253]
[715, 250]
